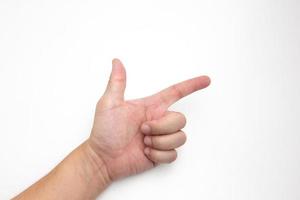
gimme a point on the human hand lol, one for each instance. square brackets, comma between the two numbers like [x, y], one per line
[132, 136]
[128, 137]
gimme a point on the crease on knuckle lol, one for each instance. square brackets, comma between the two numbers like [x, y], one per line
[177, 91]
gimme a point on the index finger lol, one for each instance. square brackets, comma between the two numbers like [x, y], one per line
[173, 93]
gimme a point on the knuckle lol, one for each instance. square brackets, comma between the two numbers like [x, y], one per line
[118, 80]
[177, 91]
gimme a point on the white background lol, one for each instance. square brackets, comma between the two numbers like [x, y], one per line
[243, 131]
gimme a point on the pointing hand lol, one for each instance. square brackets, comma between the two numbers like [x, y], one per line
[135, 135]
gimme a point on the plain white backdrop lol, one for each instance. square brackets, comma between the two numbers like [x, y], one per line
[243, 131]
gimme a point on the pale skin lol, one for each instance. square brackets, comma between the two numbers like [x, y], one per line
[127, 138]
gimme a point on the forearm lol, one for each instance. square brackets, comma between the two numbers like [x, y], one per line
[81, 175]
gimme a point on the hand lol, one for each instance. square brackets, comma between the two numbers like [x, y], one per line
[135, 135]
[128, 137]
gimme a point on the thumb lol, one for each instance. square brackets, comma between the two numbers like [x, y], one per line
[117, 83]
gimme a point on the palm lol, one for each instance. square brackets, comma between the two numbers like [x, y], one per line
[116, 134]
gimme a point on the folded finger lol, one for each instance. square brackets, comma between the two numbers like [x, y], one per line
[158, 156]
[166, 142]
[171, 122]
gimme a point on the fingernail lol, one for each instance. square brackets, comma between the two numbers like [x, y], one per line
[147, 141]
[114, 60]
[146, 129]
[114, 64]
[147, 150]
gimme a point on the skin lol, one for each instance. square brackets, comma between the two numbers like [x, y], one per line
[127, 138]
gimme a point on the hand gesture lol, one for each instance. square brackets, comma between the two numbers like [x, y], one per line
[135, 135]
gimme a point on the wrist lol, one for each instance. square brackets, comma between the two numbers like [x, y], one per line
[96, 166]
[81, 175]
